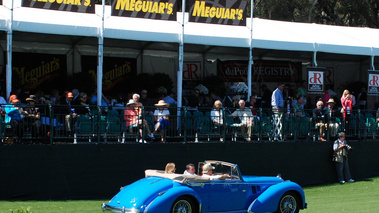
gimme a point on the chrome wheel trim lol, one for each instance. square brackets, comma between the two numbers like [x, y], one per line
[182, 206]
[288, 204]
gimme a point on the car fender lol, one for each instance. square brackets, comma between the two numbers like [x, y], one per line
[268, 201]
[164, 201]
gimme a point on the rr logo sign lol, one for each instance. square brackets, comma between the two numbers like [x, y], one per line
[373, 80]
[192, 71]
[315, 77]
[316, 81]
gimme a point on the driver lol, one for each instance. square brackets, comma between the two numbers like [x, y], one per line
[208, 172]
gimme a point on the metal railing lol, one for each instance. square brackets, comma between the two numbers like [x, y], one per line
[60, 124]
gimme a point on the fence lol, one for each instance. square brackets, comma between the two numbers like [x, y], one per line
[93, 124]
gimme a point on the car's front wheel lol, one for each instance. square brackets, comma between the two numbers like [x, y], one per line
[289, 203]
[183, 205]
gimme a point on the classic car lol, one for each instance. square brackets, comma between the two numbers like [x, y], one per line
[171, 193]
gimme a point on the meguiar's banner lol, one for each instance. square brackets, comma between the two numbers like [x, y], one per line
[266, 71]
[228, 12]
[82, 6]
[153, 9]
[116, 71]
[38, 70]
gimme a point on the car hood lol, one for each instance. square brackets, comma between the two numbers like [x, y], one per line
[262, 179]
[140, 193]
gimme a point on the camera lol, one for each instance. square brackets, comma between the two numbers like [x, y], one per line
[349, 147]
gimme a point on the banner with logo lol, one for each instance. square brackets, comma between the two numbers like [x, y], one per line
[47, 71]
[373, 82]
[81, 6]
[116, 71]
[316, 80]
[266, 71]
[228, 12]
[153, 9]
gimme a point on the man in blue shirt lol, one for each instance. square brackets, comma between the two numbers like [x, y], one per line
[277, 103]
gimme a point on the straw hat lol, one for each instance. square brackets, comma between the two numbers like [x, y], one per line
[32, 98]
[161, 103]
[331, 100]
[207, 167]
[131, 102]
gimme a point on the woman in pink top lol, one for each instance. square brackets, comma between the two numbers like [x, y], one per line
[347, 105]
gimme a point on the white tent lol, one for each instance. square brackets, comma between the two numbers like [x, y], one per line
[138, 33]
[267, 34]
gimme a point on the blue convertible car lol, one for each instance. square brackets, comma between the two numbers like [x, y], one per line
[170, 193]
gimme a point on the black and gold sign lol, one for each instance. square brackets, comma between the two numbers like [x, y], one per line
[38, 70]
[228, 12]
[82, 6]
[156, 9]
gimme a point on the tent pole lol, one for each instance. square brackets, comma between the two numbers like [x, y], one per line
[314, 59]
[100, 58]
[372, 62]
[9, 55]
[180, 69]
[249, 83]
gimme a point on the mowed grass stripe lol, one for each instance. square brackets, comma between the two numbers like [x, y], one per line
[359, 197]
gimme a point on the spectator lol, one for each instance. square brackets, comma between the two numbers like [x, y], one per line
[170, 98]
[170, 168]
[162, 118]
[146, 102]
[32, 115]
[76, 100]
[246, 119]
[362, 98]
[341, 148]
[197, 100]
[299, 107]
[217, 118]
[104, 100]
[83, 106]
[252, 104]
[331, 115]
[190, 169]
[319, 117]
[70, 113]
[266, 96]
[132, 116]
[347, 107]
[14, 117]
[277, 104]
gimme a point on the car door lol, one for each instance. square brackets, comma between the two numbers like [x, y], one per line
[227, 195]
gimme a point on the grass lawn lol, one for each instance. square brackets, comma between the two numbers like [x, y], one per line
[361, 196]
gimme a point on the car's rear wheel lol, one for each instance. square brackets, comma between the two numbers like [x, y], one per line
[183, 205]
[289, 203]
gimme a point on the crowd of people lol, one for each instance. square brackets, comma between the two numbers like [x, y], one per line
[283, 102]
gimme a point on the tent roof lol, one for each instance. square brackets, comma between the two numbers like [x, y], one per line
[267, 34]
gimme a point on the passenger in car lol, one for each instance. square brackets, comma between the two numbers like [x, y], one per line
[170, 168]
[208, 172]
[190, 169]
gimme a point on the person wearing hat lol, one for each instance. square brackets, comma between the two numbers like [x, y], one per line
[162, 118]
[208, 172]
[32, 116]
[331, 117]
[319, 117]
[132, 117]
[14, 116]
[70, 113]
